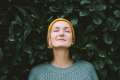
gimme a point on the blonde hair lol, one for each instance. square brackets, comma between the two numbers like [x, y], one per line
[50, 27]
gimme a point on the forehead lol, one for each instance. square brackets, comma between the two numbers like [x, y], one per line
[61, 24]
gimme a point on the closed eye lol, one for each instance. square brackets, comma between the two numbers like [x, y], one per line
[67, 31]
[55, 30]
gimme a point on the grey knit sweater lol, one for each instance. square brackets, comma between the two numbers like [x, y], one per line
[81, 70]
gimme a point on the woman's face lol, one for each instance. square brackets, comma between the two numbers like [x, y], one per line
[61, 34]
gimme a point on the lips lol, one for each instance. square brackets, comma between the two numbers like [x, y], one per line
[61, 39]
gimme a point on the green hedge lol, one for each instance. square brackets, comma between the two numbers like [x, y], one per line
[98, 28]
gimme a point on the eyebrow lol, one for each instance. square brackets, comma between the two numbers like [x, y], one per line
[59, 27]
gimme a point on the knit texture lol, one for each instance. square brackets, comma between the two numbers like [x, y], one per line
[80, 70]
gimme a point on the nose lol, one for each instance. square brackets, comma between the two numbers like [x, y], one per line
[61, 33]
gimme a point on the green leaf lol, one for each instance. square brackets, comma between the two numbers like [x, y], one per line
[74, 21]
[109, 61]
[90, 28]
[50, 19]
[11, 32]
[83, 13]
[22, 11]
[68, 9]
[102, 54]
[28, 50]
[112, 22]
[90, 46]
[97, 20]
[108, 39]
[100, 7]
[54, 9]
[18, 20]
[82, 2]
[100, 64]
[117, 26]
[11, 38]
[117, 13]
[27, 30]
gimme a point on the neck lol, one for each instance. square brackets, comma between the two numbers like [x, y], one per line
[61, 57]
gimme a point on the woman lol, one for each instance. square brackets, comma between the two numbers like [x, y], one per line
[61, 37]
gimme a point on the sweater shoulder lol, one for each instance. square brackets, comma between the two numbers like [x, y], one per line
[85, 65]
[39, 68]
[37, 72]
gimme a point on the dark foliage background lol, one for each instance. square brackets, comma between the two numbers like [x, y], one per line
[23, 28]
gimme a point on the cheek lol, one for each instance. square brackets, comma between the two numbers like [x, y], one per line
[69, 37]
